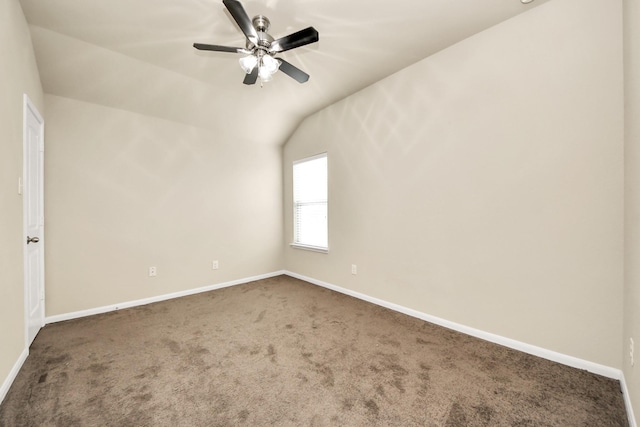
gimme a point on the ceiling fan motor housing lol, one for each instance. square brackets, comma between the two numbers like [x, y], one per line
[262, 24]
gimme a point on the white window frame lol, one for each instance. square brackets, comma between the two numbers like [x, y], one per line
[302, 245]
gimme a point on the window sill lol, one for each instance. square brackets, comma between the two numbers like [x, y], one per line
[310, 248]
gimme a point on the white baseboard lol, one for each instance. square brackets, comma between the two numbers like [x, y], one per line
[145, 301]
[554, 356]
[6, 385]
[487, 336]
[627, 402]
[605, 371]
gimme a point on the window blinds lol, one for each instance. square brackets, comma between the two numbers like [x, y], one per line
[310, 202]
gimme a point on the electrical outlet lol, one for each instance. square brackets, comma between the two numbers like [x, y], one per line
[354, 269]
[631, 350]
[215, 265]
[152, 272]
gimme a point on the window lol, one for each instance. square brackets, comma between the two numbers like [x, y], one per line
[310, 203]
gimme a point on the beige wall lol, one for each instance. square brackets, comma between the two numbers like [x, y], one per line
[632, 199]
[483, 185]
[126, 191]
[18, 75]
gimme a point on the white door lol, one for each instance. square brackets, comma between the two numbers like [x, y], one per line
[33, 194]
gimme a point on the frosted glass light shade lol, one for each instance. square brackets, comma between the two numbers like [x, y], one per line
[270, 63]
[248, 63]
[264, 74]
[268, 67]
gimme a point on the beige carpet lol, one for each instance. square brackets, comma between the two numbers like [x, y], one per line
[284, 352]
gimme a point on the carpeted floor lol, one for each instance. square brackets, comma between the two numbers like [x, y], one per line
[284, 352]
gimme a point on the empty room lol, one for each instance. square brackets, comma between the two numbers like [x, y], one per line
[223, 212]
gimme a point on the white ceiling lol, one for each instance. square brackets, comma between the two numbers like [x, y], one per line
[137, 55]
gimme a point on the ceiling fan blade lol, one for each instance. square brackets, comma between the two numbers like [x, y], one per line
[250, 79]
[300, 38]
[293, 71]
[214, 47]
[242, 19]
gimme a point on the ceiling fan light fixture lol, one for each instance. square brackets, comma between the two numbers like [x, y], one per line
[264, 75]
[270, 63]
[248, 63]
[268, 67]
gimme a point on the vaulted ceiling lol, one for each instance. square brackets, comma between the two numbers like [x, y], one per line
[137, 55]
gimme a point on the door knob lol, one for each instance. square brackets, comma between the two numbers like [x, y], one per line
[32, 240]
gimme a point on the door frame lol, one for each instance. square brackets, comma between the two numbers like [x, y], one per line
[30, 108]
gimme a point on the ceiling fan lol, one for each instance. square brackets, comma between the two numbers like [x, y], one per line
[261, 48]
